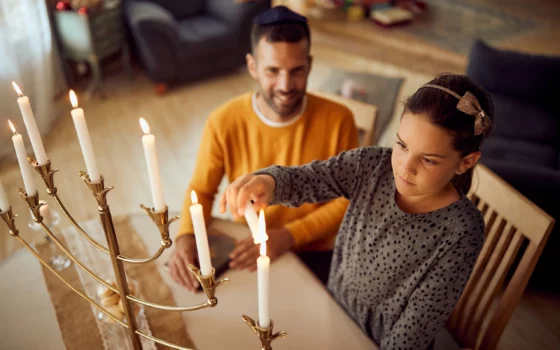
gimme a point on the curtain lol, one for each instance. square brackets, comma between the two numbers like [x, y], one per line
[29, 57]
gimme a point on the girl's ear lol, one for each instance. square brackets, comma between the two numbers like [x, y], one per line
[468, 162]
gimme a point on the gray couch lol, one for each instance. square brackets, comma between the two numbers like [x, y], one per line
[179, 40]
[524, 147]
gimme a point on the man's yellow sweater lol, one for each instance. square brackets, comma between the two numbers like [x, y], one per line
[236, 141]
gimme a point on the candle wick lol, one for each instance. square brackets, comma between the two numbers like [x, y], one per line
[20, 95]
[15, 133]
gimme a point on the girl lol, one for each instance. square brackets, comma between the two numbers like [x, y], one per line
[410, 236]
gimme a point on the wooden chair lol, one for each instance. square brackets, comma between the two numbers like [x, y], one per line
[364, 115]
[512, 222]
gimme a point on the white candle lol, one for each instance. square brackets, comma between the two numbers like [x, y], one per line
[31, 126]
[263, 275]
[85, 141]
[252, 220]
[24, 166]
[149, 142]
[4, 204]
[197, 216]
[45, 212]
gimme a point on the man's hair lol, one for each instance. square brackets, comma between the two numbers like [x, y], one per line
[280, 32]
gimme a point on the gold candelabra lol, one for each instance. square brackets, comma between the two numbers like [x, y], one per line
[162, 222]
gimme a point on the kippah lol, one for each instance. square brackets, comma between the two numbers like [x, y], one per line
[279, 14]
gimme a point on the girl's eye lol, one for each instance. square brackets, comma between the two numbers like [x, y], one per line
[401, 145]
[429, 161]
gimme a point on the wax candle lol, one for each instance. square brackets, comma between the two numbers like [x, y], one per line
[252, 220]
[149, 142]
[85, 141]
[4, 204]
[31, 126]
[197, 216]
[24, 166]
[263, 272]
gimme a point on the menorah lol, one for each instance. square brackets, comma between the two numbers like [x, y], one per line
[162, 222]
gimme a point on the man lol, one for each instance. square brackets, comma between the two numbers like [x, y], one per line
[278, 124]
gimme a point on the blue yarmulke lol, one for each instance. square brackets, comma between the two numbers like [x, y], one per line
[279, 14]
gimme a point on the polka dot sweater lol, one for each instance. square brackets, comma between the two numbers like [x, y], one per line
[398, 275]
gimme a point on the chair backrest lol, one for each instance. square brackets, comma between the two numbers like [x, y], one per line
[364, 115]
[516, 232]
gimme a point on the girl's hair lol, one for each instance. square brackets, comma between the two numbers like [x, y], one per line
[441, 107]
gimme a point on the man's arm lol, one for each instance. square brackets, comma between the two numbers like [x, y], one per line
[208, 173]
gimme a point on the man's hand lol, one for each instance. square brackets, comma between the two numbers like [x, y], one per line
[245, 255]
[185, 253]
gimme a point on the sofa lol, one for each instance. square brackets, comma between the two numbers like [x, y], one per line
[181, 40]
[524, 147]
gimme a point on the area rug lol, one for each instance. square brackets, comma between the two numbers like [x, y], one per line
[454, 25]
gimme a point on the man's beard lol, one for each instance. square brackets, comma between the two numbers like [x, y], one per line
[288, 109]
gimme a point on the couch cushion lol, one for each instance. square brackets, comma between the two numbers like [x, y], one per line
[531, 78]
[205, 35]
[520, 152]
[182, 8]
[519, 120]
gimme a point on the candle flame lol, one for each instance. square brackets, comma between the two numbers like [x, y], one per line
[262, 237]
[145, 126]
[73, 99]
[12, 127]
[194, 198]
[263, 248]
[16, 87]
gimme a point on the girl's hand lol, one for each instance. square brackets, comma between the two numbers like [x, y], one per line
[258, 188]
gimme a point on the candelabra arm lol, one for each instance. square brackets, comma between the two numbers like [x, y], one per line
[162, 342]
[74, 259]
[91, 301]
[207, 283]
[142, 261]
[162, 221]
[168, 308]
[77, 226]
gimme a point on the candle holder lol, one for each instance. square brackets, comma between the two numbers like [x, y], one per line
[265, 334]
[162, 222]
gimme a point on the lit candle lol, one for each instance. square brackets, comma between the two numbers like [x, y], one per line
[4, 204]
[197, 216]
[85, 141]
[252, 220]
[24, 166]
[149, 142]
[31, 126]
[263, 268]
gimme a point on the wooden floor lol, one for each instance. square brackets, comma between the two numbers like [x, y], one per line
[177, 119]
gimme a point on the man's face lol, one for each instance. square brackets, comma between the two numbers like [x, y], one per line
[281, 69]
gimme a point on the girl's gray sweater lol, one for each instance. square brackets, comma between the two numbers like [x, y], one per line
[398, 275]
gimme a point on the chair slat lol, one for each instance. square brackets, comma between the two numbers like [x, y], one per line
[479, 266]
[482, 283]
[495, 285]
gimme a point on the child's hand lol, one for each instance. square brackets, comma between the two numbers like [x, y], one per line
[258, 188]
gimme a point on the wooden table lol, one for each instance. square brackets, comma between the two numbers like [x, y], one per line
[300, 305]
